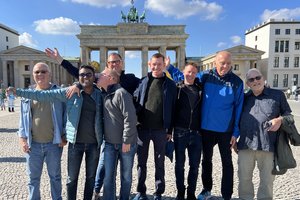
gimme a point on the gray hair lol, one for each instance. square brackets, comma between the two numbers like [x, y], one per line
[252, 70]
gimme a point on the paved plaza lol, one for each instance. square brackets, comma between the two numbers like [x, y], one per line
[13, 178]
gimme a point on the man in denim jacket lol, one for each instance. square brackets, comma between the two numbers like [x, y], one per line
[84, 128]
[41, 133]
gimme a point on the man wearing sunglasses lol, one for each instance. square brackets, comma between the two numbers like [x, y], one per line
[41, 133]
[263, 111]
[84, 128]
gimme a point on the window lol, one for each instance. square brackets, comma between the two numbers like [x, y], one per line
[287, 44]
[7, 47]
[286, 62]
[276, 62]
[277, 31]
[296, 62]
[287, 31]
[281, 46]
[255, 47]
[275, 80]
[297, 31]
[256, 38]
[285, 80]
[236, 67]
[297, 45]
[276, 46]
[295, 79]
[27, 68]
[6, 38]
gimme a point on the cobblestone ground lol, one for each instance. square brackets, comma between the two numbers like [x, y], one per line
[13, 178]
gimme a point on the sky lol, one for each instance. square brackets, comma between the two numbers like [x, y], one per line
[212, 25]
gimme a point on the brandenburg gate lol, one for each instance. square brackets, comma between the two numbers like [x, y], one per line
[133, 35]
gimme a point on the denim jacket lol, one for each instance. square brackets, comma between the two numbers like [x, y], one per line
[73, 109]
[57, 111]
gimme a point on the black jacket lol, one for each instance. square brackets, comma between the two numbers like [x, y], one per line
[187, 115]
[283, 155]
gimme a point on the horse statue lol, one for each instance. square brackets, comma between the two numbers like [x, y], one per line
[133, 15]
[123, 16]
[143, 17]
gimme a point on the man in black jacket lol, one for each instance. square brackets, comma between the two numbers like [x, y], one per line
[187, 131]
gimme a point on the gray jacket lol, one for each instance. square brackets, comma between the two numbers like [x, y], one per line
[119, 116]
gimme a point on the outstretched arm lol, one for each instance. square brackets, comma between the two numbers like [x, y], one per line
[66, 64]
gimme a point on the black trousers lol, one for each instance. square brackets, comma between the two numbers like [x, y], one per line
[209, 140]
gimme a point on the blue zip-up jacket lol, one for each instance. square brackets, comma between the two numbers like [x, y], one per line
[222, 100]
[73, 109]
[169, 100]
[57, 113]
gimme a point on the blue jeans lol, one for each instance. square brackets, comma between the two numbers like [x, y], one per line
[75, 154]
[51, 154]
[190, 140]
[100, 171]
[159, 138]
[113, 152]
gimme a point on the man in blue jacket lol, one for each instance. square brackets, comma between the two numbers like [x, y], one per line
[41, 133]
[222, 101]
[84, 128]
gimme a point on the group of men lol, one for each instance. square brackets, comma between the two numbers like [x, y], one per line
[120, 115]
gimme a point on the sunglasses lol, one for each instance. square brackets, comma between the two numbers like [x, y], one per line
[40, 72]
[255, 78]
[114, 62]
[88, 75]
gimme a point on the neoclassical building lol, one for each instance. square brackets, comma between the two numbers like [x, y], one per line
[17, 64]
[134, 37]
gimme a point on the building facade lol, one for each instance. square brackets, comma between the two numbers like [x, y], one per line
[9, 37]
[280, 40]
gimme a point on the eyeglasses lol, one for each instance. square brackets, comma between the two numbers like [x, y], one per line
[114, 62]
[255, 78]
[88, 75]
[40, 72]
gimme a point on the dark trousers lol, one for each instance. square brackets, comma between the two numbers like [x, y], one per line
[190, 140]
[159, 138]
[209, 140]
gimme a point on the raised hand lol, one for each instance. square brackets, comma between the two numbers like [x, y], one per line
[54, 54]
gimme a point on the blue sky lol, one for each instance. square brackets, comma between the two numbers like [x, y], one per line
[211, 25]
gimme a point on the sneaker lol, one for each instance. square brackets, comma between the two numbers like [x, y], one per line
[140, 196]
[203, 195]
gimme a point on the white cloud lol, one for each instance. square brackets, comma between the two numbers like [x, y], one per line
[236, 39]
[283, 13]
[102, 3]
[57, 26]
[221, 44]
[132, 54]
[27, 40]
[181, 9]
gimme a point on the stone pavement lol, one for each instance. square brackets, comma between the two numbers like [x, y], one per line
[13, 178]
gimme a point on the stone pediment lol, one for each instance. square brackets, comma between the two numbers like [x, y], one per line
[21, 50]
[242, 49]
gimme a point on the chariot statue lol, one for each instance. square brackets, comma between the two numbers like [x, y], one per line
[133, 16]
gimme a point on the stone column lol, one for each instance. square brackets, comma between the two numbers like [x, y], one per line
[16, 74]
[84, 55]
[121, 51]
[181, 57]
[4, 65]
[103, 57]
[163, 50]
[144, 61]
[31, 71]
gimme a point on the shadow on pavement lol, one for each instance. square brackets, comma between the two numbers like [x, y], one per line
[13, 159]
[8, 130]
